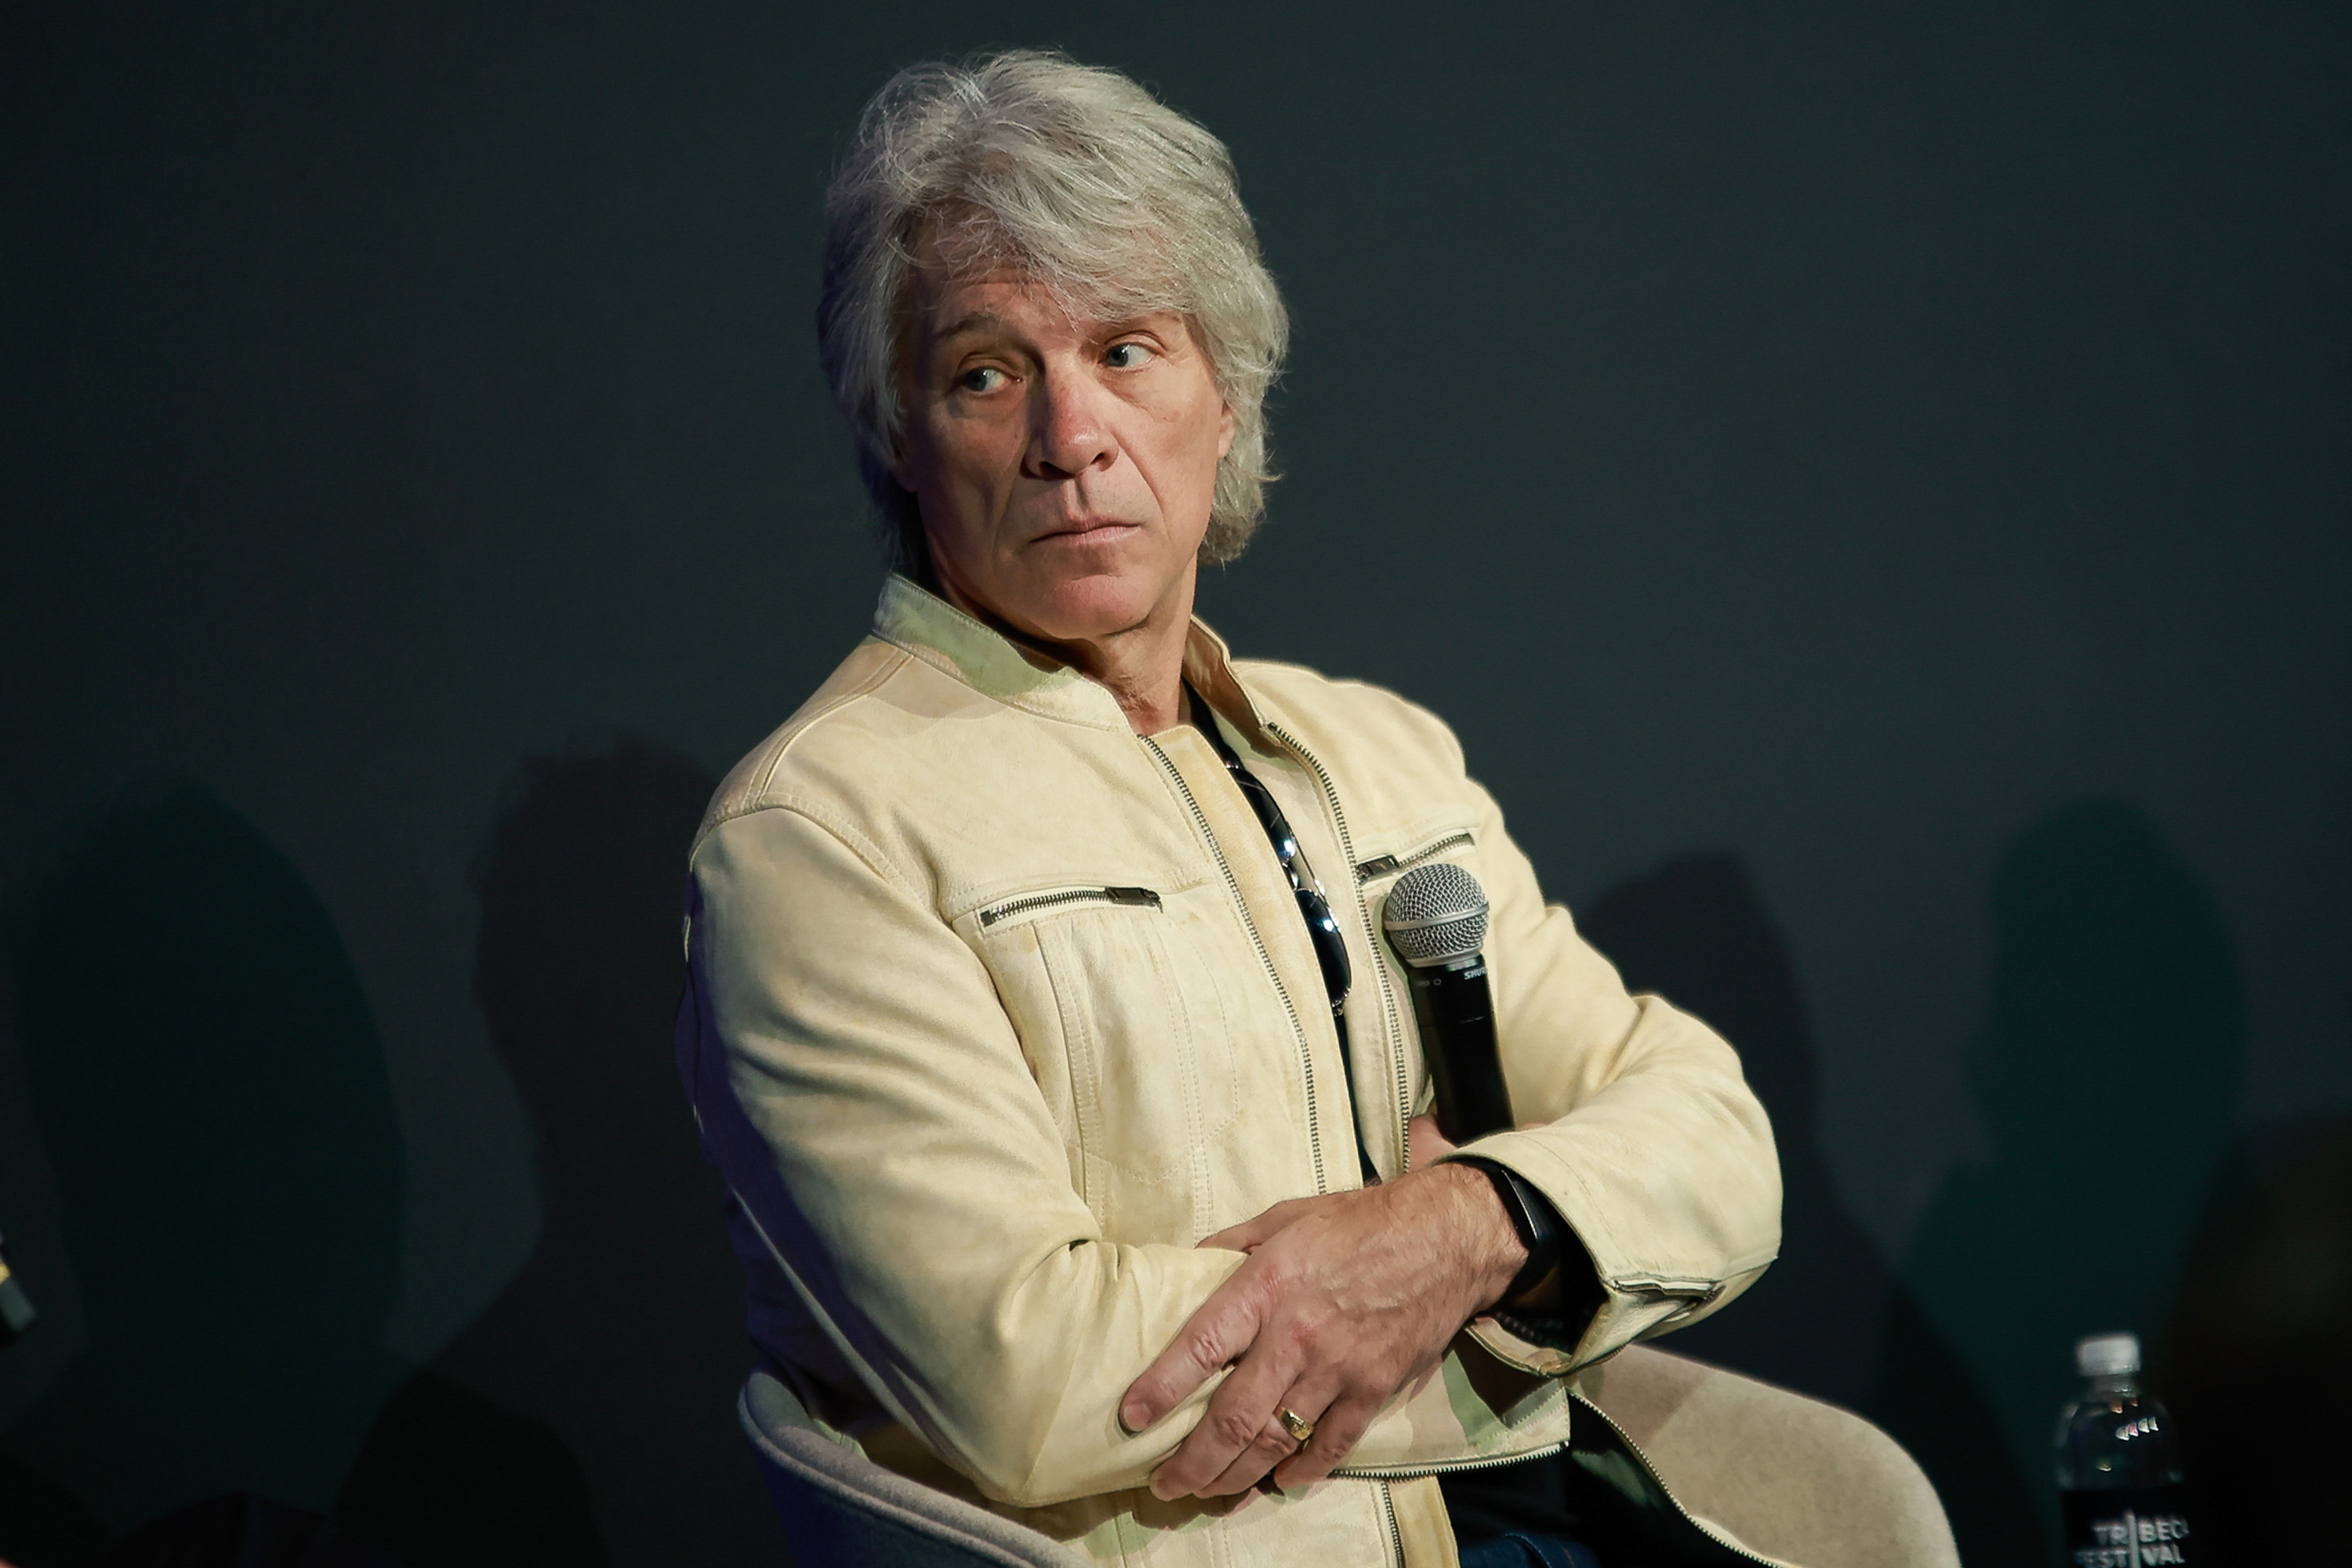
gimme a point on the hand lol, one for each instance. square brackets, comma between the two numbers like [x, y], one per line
[1424, 1144]
[1345, 1298]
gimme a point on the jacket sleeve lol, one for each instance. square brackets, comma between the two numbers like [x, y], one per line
[1637, 1125]
[863, 1092]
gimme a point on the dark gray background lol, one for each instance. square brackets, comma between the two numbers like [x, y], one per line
[1832, 437]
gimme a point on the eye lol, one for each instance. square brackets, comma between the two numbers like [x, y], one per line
[981, 378]
[1127, 355]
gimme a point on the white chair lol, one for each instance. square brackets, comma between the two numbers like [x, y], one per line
[840, 1508]
[1783, 1477]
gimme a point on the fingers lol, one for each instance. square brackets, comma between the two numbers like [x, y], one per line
[1344, 1297]
[1274, 1444]
[1336, 1431]
[1238, 1435]
[1250, 1234]
[1309, 1401]
[1219, 1329]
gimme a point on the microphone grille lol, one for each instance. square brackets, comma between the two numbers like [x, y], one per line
[1435, 914]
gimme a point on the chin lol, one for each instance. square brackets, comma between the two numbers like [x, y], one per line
[1081, 608]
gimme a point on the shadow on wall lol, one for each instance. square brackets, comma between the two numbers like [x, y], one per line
[213, 1100]
[1697, 932]
[2258, 1365]
[2106, 1073]
[624, 1331]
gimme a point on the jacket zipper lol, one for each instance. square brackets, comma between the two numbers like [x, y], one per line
[1141, 898]
[1396, 1536]
[1365, 872]
[1403, 1103]
[1659, 1481]
[1451, 1468]
[1249, 921]
[1382, 865]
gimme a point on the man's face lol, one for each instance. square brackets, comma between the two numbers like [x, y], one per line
[1064, 467]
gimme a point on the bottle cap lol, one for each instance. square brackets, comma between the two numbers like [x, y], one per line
[2107, 1355]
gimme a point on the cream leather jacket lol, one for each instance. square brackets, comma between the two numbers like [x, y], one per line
[998, 1009]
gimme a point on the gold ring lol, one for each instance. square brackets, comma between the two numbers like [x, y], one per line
[1302, 1431]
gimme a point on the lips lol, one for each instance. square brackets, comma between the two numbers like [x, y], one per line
[1093, 530]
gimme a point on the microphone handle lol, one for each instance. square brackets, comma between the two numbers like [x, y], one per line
[1456, 1013]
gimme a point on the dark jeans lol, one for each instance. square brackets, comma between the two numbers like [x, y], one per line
[1542, 1498]
[1517, 1551]
[1592, 1505]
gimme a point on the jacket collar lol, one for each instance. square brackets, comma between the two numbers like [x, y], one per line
[919, 622]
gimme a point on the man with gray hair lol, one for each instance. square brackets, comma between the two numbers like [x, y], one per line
[1077, 1172]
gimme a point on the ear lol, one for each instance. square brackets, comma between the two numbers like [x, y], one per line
[904, 368]
[903, 462]
[1225, 423]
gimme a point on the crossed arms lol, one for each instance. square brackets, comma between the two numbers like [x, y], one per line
[882, 1125]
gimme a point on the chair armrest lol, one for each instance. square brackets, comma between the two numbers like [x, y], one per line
[837, 1505]
[1787, 1477]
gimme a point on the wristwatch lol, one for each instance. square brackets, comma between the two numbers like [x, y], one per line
[1532, 1215]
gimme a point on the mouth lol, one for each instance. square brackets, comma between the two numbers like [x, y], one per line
[1088, 531]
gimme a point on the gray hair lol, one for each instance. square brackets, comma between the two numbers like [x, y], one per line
[1080, 179]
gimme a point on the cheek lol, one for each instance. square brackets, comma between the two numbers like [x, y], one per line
[959, 458]
[1212, 434]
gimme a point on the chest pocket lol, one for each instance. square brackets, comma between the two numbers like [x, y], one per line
[1451, 843]
[1113, 977]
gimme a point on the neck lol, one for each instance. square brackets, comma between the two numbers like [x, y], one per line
[1142, 665]
[1143, 669]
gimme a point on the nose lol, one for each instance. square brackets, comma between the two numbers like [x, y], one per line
[1068, 433]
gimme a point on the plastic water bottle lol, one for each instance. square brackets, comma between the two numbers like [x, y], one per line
[2119, 1466]
[16, 1307]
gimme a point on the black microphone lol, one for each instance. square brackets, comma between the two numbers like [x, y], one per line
[1435, 918]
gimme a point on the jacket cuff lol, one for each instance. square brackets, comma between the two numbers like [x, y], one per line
[1556, 1292]
[1642, 1293]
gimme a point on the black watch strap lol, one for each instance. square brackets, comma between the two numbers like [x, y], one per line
[1532, 1215]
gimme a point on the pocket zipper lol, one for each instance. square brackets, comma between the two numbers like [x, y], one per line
[1693, 1292]
[1138, 897]
[1382, 865]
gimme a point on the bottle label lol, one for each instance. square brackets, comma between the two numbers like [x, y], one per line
[2142, 1527]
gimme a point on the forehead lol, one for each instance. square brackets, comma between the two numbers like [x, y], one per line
[961, 285]
[997, 300]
